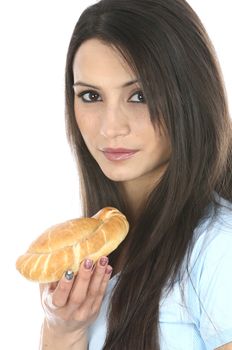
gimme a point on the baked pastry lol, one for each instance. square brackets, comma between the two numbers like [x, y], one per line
[64, 246]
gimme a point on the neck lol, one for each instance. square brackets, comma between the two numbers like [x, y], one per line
[136, 191]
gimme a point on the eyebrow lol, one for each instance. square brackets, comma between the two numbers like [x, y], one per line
[98, 88]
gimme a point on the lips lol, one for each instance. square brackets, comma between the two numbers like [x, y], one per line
[118, 150]
[118, 153]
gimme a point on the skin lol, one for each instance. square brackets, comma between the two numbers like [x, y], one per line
[118, 121]
[225, 347]
[113, 120]
[70, 306]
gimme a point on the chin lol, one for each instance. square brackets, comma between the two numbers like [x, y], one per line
[119, 177]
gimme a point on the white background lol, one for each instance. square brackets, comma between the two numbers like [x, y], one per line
[39, 181]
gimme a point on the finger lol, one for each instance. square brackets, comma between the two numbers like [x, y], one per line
[95, 303]
[48, 286]
[81, 284]
[49, 302]
[104, 284]
[46, 294]
[97, 277]
[61, 294]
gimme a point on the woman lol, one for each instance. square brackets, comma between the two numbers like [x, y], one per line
[148, 122]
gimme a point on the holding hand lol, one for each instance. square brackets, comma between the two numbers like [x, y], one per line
[72, 304]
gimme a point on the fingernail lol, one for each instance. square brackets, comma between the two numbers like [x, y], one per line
[103, 261]
[69, 275]
[88, 264]
[109, 270]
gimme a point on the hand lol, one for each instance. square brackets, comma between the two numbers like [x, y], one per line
[71, 305]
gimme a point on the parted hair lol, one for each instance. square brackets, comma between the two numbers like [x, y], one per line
[166, 45]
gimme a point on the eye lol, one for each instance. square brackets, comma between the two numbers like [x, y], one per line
[141, 97]
[92, 96]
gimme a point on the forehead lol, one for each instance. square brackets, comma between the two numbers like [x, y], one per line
[95, 60]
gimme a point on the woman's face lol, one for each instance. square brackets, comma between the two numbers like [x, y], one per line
[111, 115]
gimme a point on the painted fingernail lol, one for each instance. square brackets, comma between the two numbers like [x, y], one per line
[103, 261]
[69, 275]
[88, 264]
[109, 270]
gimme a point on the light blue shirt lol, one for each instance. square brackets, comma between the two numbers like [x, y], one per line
[204, 320]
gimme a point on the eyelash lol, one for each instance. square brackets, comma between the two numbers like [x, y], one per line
[81, 94]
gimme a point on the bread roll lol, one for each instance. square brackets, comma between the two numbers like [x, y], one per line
[64, 246]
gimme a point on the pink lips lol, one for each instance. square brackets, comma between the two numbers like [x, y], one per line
[118, 153]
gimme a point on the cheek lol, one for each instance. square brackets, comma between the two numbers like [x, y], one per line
[159, 142]
[86, 123]
[164, 147]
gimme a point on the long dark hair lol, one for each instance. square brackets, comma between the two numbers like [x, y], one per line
[166, 45]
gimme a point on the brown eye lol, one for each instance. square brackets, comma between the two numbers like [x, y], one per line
[140, 98]
[92, 96]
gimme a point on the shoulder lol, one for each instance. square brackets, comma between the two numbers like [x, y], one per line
[213, 236]
[210, 283]
[210, 263]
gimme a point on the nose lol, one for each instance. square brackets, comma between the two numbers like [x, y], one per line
[114, 123]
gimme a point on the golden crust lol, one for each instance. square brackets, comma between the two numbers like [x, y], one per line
[64, 246]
